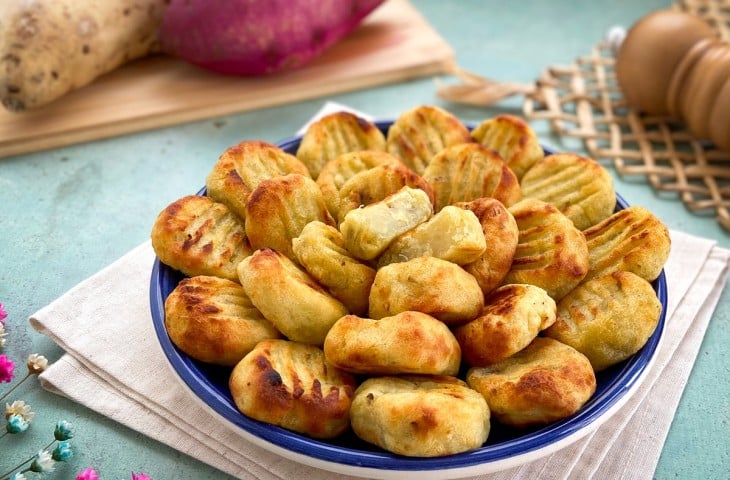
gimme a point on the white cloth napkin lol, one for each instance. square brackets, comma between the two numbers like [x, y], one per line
[113, 364]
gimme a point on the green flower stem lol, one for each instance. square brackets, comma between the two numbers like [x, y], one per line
[13, 388]
[7, 474]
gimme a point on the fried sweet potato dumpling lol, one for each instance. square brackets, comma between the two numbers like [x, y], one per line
[513, 315]
[369, 230]
[279, 208]
[465, 172]
[409, 342]
[578, 186]
[501, 234]
[551, 252]
[320, 249]
[339, 170]
[335, 134]
[291, 385]
[608, 318]
[454, 234]
[429, 285]
[242, 167]
[545, 382]
[420, 416]
[213, 320]
[199, 236]
[288, 297]
[513, 138]
[375, 184]
[422, 132]
[633, 239]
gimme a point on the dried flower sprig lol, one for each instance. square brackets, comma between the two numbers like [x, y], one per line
[35, 364]
[45, 460]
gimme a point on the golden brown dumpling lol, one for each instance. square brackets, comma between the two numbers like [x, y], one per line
[513, 315]
[513, 138]
[242, 167]
[339, 170]
[335, 134]
[465, 172]
[199, 236]
[420, 416]
[420, 133]
[279, 208]
[633, 239]
[288, 297]
[551, 252]
[545, 382]
[213, 320]
[320, 249]
[608, 318]
[429, 285]
[409, 342]
[578, 186]
[291, 385]
[501, 234]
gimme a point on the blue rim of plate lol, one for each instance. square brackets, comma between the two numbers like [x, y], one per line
[210, 388]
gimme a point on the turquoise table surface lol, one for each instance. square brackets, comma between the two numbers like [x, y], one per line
[67, 212]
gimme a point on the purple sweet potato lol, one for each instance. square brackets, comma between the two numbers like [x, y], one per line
[257, 37]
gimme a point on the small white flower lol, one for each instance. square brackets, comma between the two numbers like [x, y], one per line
[36, 363]
[2, 335]
[19, 407]
[43, 462]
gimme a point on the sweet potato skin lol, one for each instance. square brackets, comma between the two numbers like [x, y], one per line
[50, 47]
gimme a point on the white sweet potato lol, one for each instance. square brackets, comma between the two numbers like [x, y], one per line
[257, 37]
[50, 47]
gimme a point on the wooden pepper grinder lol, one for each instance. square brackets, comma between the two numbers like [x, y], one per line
[672, 63]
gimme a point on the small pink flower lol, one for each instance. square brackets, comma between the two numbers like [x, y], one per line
[6, 369]
[88, 474]
[140, 476]
[3, 314]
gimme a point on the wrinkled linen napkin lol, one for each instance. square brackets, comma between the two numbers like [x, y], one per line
[113, 365]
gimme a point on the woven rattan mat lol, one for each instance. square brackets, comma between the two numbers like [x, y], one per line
[583, 101]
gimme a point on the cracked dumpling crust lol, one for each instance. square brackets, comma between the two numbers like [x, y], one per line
[292, 385]
[213, 320]
[420, 416]
[545, 382]
[409, 342]
[199, 236]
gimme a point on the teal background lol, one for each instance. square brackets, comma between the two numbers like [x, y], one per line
[67, 212]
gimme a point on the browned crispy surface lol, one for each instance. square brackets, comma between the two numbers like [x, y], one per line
[291, 385]
[213, 320]
[513, 138]
[545, 382]
[199, 236]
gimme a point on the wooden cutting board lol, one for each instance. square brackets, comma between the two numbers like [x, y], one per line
[394, 43]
